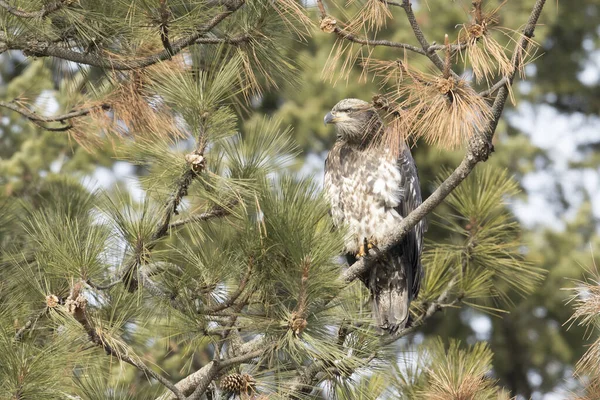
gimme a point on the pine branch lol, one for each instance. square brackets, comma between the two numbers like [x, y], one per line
[76, 305]
[131, 274]
[38, 48]
[46, 9]
[343, 34]
[479, 149]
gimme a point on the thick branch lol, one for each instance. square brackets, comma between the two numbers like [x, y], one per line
[46, 49]
[194, 385]
[479, 150]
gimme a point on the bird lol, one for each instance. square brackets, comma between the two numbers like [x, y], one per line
[371, 187]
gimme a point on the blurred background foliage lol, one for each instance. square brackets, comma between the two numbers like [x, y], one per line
[534, 352]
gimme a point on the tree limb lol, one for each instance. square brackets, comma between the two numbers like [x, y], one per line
[479, 149]
[496, 86]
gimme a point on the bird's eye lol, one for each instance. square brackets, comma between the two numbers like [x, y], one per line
[348, 110]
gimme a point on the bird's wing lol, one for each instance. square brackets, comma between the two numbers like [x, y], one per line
[410, 189]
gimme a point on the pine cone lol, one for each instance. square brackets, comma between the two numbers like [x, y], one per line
[238, 383]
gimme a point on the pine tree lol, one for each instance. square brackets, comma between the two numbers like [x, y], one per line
[222, 279]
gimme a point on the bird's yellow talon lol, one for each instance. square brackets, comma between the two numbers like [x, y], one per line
[361, 252]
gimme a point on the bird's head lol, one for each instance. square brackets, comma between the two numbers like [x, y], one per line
[355, 120]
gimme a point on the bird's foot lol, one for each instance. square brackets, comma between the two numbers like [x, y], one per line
[367, 245]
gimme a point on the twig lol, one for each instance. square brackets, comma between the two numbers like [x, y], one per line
[18, 12]
[103, 287]
[480, 148]
[234, 296]
[19, 334]
[447, 57]
[491, 90]
[216, 212]
[239, 39]
[367, 42]
[391, 3]
[40, 120]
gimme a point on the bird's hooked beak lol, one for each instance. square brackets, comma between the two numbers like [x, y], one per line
[329, 118]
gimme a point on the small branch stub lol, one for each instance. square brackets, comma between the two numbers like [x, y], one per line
[196, 161]
[446, 85]
[328, 24]
[52, 301]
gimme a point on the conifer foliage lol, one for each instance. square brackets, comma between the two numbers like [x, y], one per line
[223, 279]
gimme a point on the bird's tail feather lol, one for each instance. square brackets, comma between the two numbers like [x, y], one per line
[390, 285]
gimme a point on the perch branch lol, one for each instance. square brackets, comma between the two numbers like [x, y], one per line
[479, 149]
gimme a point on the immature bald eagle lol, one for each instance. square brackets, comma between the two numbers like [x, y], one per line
[371, 188]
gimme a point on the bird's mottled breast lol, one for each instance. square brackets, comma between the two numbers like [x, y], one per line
[363, 187]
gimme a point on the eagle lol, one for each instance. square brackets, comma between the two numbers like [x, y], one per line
[371, 188]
